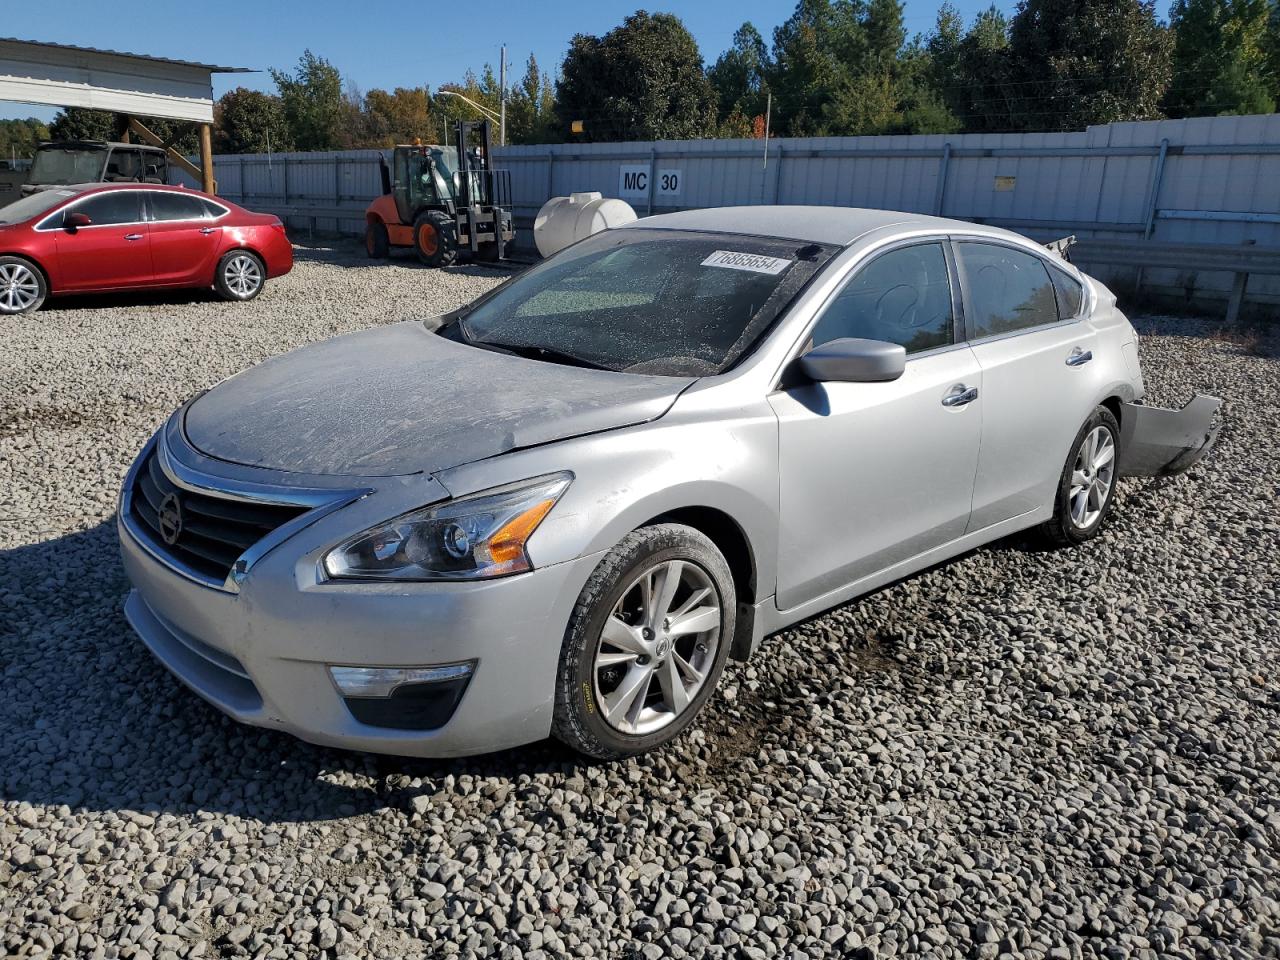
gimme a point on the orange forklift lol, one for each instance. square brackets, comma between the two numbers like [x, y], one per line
[443, 201]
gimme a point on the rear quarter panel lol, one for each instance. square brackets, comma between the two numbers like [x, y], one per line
[267, 241]
[1116, 339]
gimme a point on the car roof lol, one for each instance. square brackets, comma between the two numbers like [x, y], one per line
[95, 187]
[97, 145]
[834, 225]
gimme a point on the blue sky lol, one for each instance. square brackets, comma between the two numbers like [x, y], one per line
[377, 44]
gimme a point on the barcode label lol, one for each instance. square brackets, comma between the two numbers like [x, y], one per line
[752, 262]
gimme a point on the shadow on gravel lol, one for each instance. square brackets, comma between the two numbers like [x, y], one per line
[140, 298]
[92, 721]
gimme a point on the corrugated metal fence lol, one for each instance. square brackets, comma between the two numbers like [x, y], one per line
[1205, 180]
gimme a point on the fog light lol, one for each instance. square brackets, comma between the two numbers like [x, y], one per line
[382, 681]
[404, 698]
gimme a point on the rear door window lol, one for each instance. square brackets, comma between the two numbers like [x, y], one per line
[1070, 294]
[175, 206]
[1007, 290]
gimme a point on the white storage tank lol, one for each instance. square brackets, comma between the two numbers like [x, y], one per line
[566, 220]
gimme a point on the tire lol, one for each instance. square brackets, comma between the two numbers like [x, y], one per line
[652, 663]
[377, 243]
[435, 238]
[1084, 500]
[241, 275]
[23, 288]
[487, 253]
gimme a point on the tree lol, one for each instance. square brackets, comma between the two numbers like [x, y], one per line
[82, 123]
[312, 101]
[531, 107]
[1221, 58]
[739, 78]
[249, 121]
[1078, 62]
[922, 106]
[1272, 49]
[397, 117]
[814, 53]
[969, 71]
[885, 31]
[18, 138]
[840, 68]
[643, 80]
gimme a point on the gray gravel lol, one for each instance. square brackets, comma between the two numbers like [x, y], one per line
[1021, 753]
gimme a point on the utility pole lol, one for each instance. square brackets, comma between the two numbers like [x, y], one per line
[502, 82]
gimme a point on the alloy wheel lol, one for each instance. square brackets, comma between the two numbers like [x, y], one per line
[657, 647]
[1092, 477]
[19, 287]
[243, 276]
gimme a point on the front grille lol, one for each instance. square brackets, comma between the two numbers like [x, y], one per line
[212, 532]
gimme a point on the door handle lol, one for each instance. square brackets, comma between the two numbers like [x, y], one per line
[133, 236]
[206, 230]
[1078, 357]
[960, 395]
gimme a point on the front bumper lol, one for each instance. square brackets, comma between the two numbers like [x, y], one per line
[1157, 442]
[261, 655]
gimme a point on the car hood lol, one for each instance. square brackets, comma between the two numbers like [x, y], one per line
[400, 399]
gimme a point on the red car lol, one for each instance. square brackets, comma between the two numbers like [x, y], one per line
[101, 237]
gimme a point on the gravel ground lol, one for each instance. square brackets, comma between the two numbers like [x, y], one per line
[1020, 753]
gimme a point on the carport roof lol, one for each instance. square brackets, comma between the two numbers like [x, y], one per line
[62, 75]
[212, 68]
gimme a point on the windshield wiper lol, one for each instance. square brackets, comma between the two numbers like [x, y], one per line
[549, 354]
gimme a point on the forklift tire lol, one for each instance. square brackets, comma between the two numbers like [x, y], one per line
[488, 253]
[435, 238]
[376, 241]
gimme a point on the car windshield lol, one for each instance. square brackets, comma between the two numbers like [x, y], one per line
[664, 302]
[33, 206]
[59, 165]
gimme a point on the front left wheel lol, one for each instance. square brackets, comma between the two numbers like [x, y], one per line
[241, 276]
[22, 286]
[646, 643]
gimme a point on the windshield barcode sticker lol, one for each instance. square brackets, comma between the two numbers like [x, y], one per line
[753, 262]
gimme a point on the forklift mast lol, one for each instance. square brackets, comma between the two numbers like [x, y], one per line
[481, 189]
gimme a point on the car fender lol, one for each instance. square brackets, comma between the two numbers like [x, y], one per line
[623, 479]
[51, 277]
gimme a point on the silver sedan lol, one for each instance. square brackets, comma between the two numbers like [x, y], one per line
[561, 509]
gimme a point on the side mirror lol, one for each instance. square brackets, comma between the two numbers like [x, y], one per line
[75, 221]
[852, 360]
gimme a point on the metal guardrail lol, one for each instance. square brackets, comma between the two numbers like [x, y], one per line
[1238, 259]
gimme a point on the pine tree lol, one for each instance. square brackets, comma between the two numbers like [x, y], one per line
[1221, 60]
[739, 76]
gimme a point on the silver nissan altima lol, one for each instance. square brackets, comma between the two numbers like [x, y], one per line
[561, 509]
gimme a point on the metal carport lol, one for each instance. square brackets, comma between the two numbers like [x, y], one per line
[60, 75]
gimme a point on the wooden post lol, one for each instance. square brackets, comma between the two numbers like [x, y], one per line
[207, 183]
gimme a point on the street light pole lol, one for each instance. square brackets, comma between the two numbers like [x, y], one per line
[502, 82]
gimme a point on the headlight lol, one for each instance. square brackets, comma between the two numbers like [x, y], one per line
[483, 535]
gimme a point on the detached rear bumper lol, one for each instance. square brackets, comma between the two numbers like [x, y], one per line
[1157, 442]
